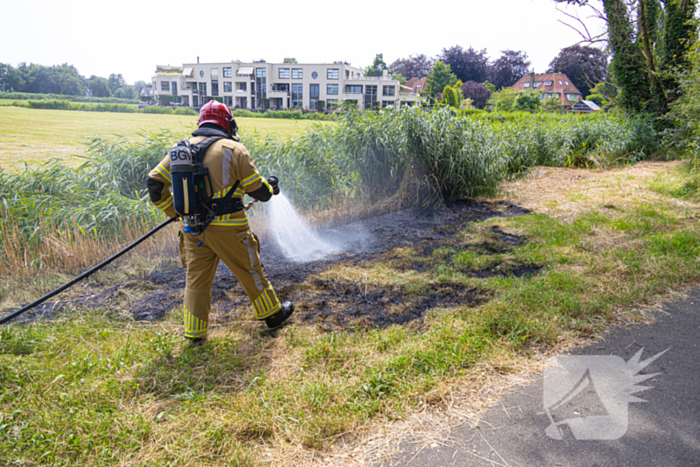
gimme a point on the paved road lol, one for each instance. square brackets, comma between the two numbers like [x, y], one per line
[664, 431]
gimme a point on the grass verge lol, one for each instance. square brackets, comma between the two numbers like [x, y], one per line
[97, 388]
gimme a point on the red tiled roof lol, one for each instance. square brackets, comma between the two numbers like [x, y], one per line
[417, 84]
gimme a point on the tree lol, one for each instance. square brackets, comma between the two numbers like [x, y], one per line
[71, 85]
[115, 82]
[528, 100]
[585, 66]
[603, 94]
[99, 87]
[6, 74]
[290, 60]
[399, 77]
[509, 68]
[440, 76]
[552, 104]
[644, 57]
[685, 111]
[413, 67]
[477, 92]
[504, 100]
[378, 67]
[449, 97]
[679, 35]
[138, 86]
[468, 65]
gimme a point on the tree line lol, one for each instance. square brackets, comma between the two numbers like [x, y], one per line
[638, 64]
[65, 79]
[472, 73]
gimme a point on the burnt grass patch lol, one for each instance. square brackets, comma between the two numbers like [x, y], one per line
[330, 303]
[339, 304]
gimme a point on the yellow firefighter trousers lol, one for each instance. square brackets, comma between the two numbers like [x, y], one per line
[239, 249]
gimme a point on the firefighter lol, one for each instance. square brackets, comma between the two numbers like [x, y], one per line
[228, 237]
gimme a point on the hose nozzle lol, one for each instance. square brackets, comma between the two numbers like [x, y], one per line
[274, 183]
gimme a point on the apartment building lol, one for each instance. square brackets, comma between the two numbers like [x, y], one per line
[262, 85]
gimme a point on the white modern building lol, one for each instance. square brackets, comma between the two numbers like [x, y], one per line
[261, 85]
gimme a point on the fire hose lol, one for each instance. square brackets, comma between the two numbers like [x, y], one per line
[87, 273]
[274, 182]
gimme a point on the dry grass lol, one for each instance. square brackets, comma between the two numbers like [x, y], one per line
[566, 193]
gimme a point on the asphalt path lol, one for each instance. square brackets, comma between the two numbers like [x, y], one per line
[663, 431]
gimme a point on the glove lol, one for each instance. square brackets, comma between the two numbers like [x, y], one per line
[274, 182]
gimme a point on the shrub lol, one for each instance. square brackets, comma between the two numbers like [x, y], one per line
[527, 100]
[477, 92]
[36, 96]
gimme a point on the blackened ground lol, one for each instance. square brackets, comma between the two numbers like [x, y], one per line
[332, 304]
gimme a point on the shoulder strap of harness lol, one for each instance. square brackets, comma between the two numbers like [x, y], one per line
[203, 145]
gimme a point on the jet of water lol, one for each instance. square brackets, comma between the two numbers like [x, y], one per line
[293, 235]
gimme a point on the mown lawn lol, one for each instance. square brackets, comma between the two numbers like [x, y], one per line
[32, 135]
[96, 388]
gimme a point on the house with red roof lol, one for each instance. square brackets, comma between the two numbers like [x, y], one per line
[418, 85]
[551, 85]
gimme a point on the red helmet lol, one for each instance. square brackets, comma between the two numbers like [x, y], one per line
[219, 114]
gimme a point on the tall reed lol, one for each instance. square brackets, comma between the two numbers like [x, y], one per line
[365, 163]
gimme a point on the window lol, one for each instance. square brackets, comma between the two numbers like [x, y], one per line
[214, 88]
[548, 83]
[331, 104]
[314, 75]
[370, 96]
[388, 90]
[297, 73]
[297, 95]
[201, 73]
[214, 72]
[260, 84]
[227, 72]
[347, 74]
[332, 89]
[537, 84]
[165, 85]
[173, 86]
[560, 83]
[567, 83]
[241, 87]
[526, 84]
[333, 73]
[228, 100]
[227, 86]
[202, 89]
[353, 89]
[313, 95]
[283, 73]
[387, 104]
[281, 87]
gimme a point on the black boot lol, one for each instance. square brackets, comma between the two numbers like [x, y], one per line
[278, 318]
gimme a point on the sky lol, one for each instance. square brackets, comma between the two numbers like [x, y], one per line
[132, 37]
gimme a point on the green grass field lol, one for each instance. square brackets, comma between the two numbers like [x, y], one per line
[33, 135]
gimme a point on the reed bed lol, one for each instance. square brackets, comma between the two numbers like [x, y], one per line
[364, 164]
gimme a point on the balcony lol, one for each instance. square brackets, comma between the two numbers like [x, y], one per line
[275, 93]
[371, 78]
